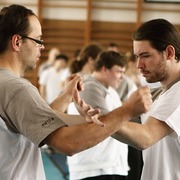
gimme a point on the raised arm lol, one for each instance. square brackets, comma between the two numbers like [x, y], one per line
[71, 92]
[71, 140]
[73, 85]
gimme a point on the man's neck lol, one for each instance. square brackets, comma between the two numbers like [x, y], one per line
[99, 78]
[7, 62]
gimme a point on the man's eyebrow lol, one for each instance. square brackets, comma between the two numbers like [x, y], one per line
[141, 54]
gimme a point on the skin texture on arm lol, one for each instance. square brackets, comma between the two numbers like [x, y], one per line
[71, 120]
[142, 136]
[42, 91]
[71, 140]
[62, 101]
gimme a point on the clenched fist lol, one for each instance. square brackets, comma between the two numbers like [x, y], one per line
[139, 102]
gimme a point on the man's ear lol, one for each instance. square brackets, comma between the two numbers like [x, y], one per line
[15, 42]
[104, 69]
[170, 52]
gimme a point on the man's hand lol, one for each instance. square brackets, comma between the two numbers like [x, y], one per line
[139, 102]
[90, 114]
[73, 86]
[73, 83]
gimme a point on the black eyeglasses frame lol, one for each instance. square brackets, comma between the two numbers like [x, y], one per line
[40, 42]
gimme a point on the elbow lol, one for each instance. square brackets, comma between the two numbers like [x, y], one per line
[70, 153]
[70, 149]
[63, 141]
[143, 145]
[62, 144]
[66, 150]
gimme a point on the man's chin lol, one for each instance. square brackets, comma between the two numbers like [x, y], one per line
[151, 81]
[30, 68]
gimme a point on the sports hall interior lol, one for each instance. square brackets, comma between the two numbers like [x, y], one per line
[71, 24]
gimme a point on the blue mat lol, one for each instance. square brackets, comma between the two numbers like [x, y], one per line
[52, 169]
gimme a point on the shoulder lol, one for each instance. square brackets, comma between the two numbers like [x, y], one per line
[11, 81]
[11, 86]
[91, 82]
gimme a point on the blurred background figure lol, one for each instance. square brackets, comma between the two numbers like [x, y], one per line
[76, 55]
[126, 87]
[132, 70]
[52, 80]
[84, 62]
[108, 159]
[53, 52]
[113, 47]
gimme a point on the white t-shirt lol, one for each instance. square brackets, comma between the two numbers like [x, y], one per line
[52, 80]
[16, 155]
[162, 160]
[108, 157]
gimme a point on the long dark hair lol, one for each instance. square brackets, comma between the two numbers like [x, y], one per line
[91, 50]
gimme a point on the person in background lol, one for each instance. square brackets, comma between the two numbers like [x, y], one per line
[127, 86]
[27, 122]
[84, 64]
[53, 52]
[52, 80]
[108, 159]
[76, 55]
[113, 47]
[132, 70]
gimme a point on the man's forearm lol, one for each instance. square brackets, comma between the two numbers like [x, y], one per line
[74, 139]
[71, 120]
[61, 102]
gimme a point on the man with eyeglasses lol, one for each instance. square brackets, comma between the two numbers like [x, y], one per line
[27, 122]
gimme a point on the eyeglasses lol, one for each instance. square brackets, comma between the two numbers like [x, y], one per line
[40, 42]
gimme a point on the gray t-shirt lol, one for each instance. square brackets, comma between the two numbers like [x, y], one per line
[108, 157]
[27, 121]
[95, 94]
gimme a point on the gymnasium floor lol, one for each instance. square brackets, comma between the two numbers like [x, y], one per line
[55, 166]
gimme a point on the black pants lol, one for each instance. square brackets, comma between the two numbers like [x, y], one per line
[107, 177]
[135, 162]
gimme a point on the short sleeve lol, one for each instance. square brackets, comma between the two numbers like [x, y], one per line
[174, 121]
[31, 116]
